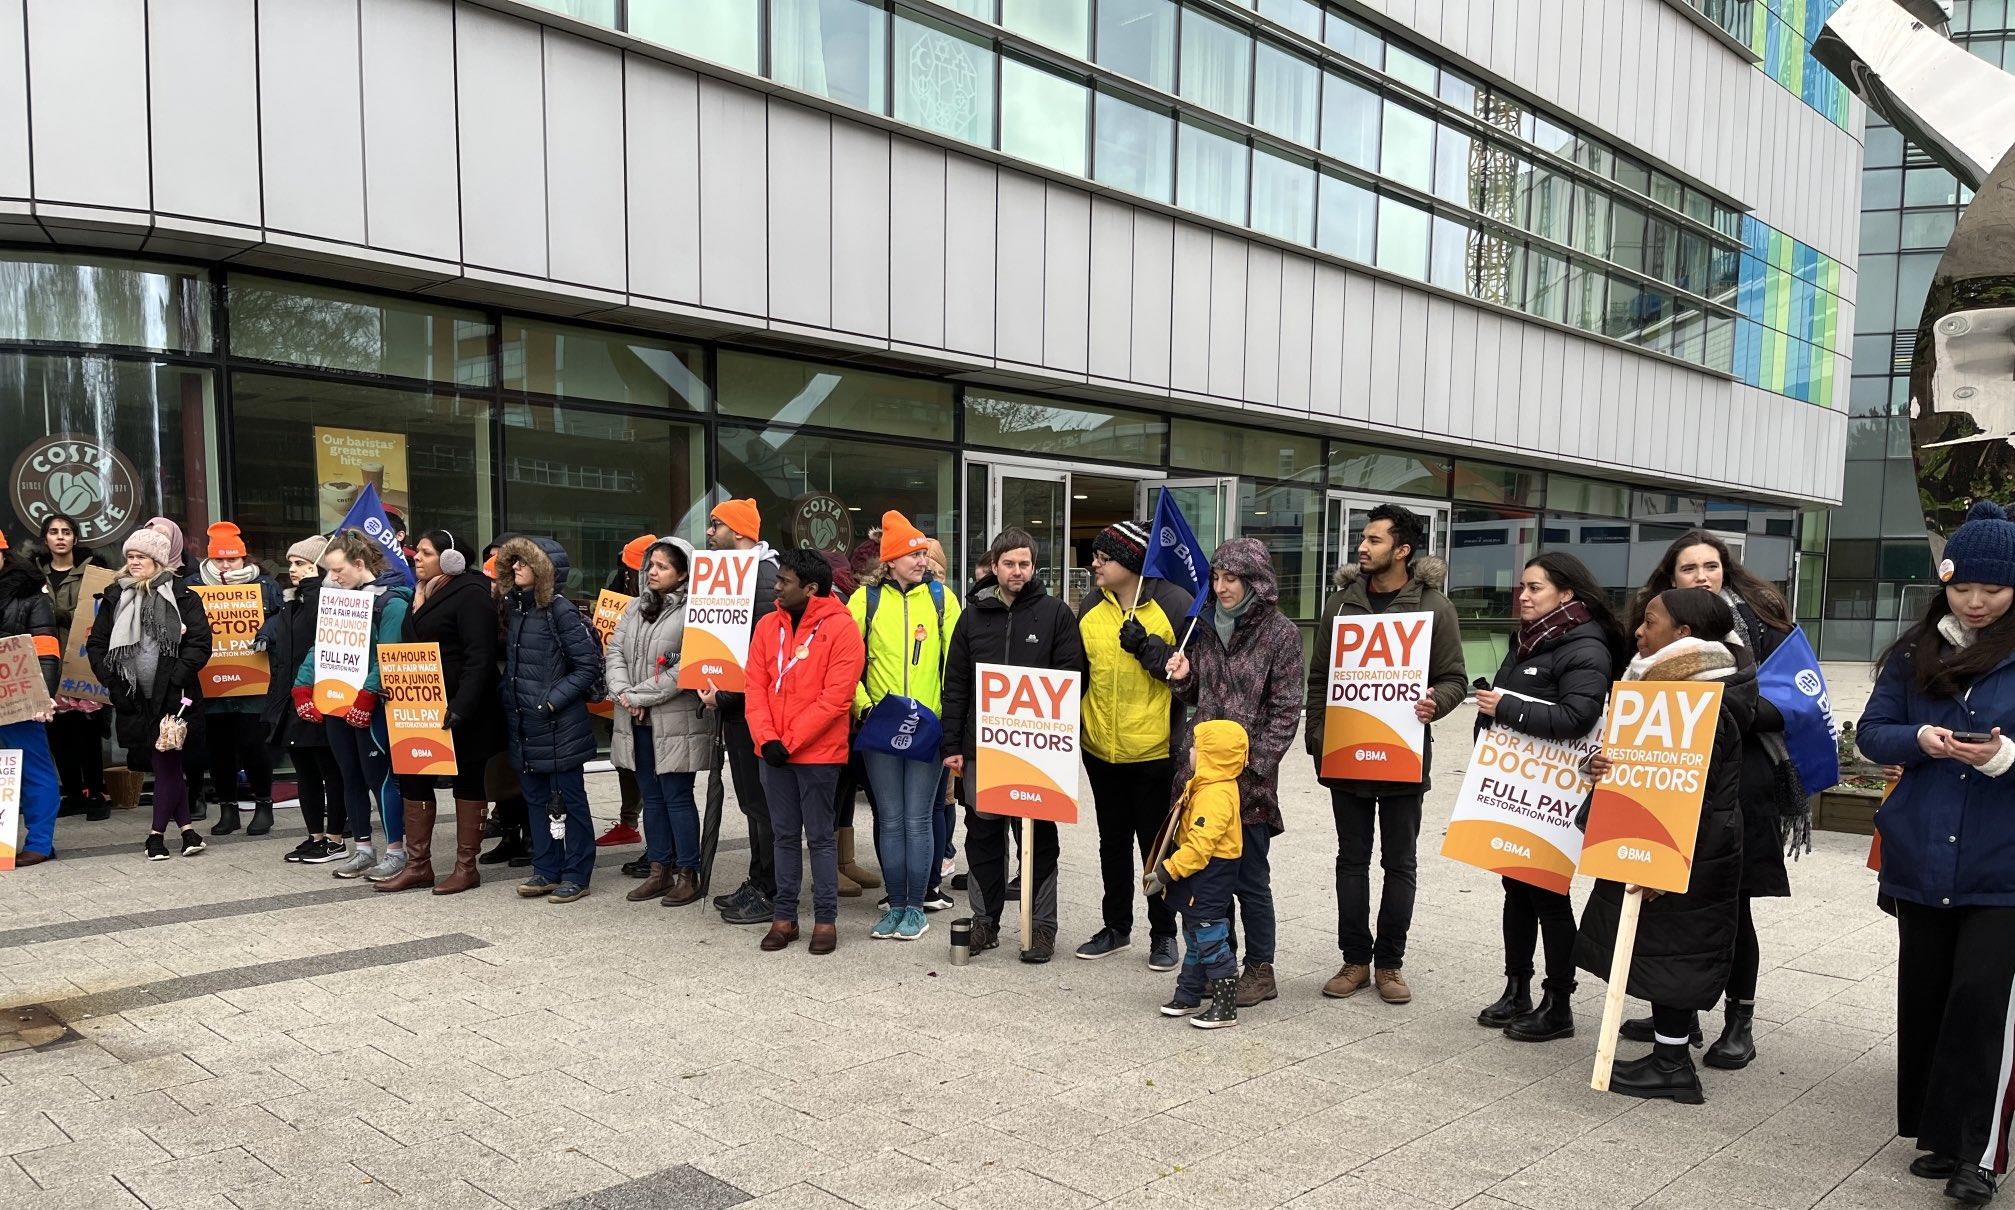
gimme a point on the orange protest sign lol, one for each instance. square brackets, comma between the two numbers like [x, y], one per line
[720, 612]
[1646, 812]
[1377, 673]
[416, 709]
[1026, 762]
[10, 806]
[608, 611]
[235, 611]
[23, 693]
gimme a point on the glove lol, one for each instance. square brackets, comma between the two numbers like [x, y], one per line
[1155, 882]
[1132, 636]
[304, 704]
[774, 754]
[359, 713]
[452, 721]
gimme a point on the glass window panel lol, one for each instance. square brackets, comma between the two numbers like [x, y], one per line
[1592, 155]
[1210, 172]
[1283, 196]
[1006, 420]
[780, 469]
[944, 80]
[439, 474]
[1402, 238]
[1063, 26]
[1884, 148]
[1137, 38]
[344, 330]
[1546, 285]
[1667, 192]
[724, 31]
[1302, 16]
[983, 9]
[1043, 116]
[1495, 268]
[1698, 207]
[1591, 221]
[1453, 166]
[1356, 40]
[52, 296]
[581, 363]
[1408, 68]
[1216, 64]
[1930, 187]
[1720, 344]
[1879, 231]
[1927, 229]
[1136, 147]
[1351, 116]
[1587, 297]
[601, 12]
[1488, 547]
[1406, 152]
[1227, 450]
[1875, 295]
[1913, 282]
[1586, 497]
[593, 481]
[1661, 250]
[1395, 472]
[1448, 260]
[1632, 175]
[1286, 94]
[1288, 520]
[835, 48]
[1346, 219]
[1491, 484]
[1882, 189]
[1627, 234]
[782, 391]
[1550, 208]
[1625, 301]
[1458, 91]
[135, 439]
[1549, 136]
[1499, 188]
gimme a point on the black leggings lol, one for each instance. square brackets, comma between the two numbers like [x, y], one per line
[76, 740]
[238, 741]
[321, 791]
[1748, 961]
[1531, 913]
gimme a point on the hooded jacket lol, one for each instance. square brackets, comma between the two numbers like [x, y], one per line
[1129, 713]
[1208, 839]
[1564, 684]
[388, 625]
[65, 586]
[1447, 681]
[906, 648]
[803, 703]
[1255, 682]
[552, 669]
[24, 609]
[641, 660]
[1035, 630]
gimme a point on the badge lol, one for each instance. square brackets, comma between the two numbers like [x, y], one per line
[1945, 571]
[919, 636]
[804, 649]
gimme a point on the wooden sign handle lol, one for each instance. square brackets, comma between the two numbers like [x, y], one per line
[1028, 880]
[1619, 982]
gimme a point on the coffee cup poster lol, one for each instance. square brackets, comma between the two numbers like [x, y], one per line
[347, 459]
[1377, 674]
[720, 610]
[1026, 762]
[1515, 814]
[1659, 738]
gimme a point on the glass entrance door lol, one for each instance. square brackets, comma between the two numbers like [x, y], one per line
[1346, 517]
[1035, 500]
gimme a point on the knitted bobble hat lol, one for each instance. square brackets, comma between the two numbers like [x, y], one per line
[1982, 551]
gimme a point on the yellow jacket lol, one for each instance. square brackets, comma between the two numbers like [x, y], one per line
[905, 632]
[1128, 709]
[1209, 824]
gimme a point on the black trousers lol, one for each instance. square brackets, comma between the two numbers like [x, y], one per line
[1532, 913]
[1955, 1029]
[321, 791]
[987, 844]
[76, 741]
[745, 767]
[238, 741]
[1748, 961]
[1132, 801]
[1396, 819]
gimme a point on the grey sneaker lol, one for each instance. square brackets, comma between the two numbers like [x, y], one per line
[388, 866]
[361, 859]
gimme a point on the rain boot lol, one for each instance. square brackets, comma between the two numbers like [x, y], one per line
[849, 869]
[468, 843]
[1735, 1049]
[419, 869]
[227, 819]
[262, 818]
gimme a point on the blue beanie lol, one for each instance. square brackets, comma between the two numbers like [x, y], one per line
[1982, 551]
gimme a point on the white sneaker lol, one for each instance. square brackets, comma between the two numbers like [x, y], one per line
[362, 858]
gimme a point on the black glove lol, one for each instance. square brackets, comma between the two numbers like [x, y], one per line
[452, 721]
[1132, 636]
[774, 755]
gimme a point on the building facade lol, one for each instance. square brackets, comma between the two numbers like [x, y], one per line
[1559, 272]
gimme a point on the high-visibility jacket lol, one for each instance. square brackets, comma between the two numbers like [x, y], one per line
[1128, 709]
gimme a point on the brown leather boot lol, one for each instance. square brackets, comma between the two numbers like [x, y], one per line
[781, 934]
[468, 846]
[849, 868]
[825, 938]
[682, 889]
[654, 884]
[419, 869]
[1255, 984]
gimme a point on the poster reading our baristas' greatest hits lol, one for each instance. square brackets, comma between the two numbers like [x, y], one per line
[1515, 813]
[1026, 762]
[1645, 817]
[347, 459]
[1377, 675]
[720, 610]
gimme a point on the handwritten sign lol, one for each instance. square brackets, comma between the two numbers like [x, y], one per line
[342, 648]
[236, 611]
[1377, 674]
[1515, 813]
[10, 806]
[720, 612]
[78, 680]
[1659, 738]
[1026, 763]
[23, 692]
[416, 709]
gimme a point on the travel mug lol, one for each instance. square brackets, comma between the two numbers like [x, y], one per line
[962, 936]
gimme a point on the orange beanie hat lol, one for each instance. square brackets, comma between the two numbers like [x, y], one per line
[633, 554]
[899, 537]
[741, 516]
[226, 542]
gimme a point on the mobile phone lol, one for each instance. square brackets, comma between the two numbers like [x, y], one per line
[1973, 737]
[1480, 683]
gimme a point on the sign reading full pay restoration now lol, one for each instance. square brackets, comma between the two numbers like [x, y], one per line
[1646, 811]
[1026, 763]
[1377, 674]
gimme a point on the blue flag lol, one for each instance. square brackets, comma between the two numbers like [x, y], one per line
[1792, 682]
[1173, 553]
[367, 517]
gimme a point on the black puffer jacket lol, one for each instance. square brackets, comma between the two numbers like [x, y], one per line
[289, 635]
[140, 715]
[1570, 676]
[552, 668]
[1771, 792]
[1685, 942]
[461, 615]
[25, 609]
[1036, 630]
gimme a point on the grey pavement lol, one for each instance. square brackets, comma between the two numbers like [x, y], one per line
[223, 1032]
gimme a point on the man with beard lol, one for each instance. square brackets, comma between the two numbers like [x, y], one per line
[738, 525]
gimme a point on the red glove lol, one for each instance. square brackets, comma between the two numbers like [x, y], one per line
[304, 704]
[360, 711]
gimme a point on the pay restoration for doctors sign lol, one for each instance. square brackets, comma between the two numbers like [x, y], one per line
[1026, 763]
[1377, 674]
[1645, 816]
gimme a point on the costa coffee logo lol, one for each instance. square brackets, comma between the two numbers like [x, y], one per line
[81, 476]
[820, 521]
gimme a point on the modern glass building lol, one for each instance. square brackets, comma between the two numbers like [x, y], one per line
[1558, 272]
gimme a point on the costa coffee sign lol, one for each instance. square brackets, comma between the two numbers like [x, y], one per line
[78, 475]
[820, 521]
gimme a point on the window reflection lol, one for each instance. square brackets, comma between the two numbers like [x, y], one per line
[1136, 147]
[1347, 219]
[1216, 64]
[1137, 38]
[1402, 238]
[59, 298]
[1210, 173]
[723, 31]
[835, 48]
[944, 80]
[1286, 101]
[1043, 116]
[1283, 196]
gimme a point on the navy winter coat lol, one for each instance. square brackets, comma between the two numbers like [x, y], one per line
[552, 667]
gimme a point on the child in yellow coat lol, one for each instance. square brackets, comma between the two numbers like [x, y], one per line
[1199, 875]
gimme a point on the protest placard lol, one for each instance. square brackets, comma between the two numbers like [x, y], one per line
[235, 611]
[720, 612]
[23, 692]
[416, 709]
[10, 806]
[1026, 760]
[1514, 815]
[78, 680]
[342, 648]
[608, 611]
[1377, 674]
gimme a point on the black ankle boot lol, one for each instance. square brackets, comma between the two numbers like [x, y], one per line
[1971, 1185]
[262, 818]
[509, 848]
[1736, 1046]
[1934, 1167]
[1513, 1004]
[1554, 1018]
[1638, 1029]
[1665, 1074]
[227, 819]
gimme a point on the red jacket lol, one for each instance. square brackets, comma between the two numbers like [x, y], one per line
[805, 702]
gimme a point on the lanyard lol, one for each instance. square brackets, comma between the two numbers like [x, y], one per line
[804, 649]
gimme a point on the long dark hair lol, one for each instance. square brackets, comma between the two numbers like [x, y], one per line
[1942, 673]
[1757, 593]
[1700, 611]
[1569, 574]
[80, 554]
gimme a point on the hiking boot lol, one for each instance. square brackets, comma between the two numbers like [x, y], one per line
[1255, 986]
[1349, 979]
[1224, 998]
[1104, 944]
[1513, 1004]
[1554, 1018]
[192, 842]
[1392, 986]
[1665, 1074]
[1043, 947]
[1639, 1029]
[1735, 1049]
[722, 901]
[1162, 955]
[985, 936]
[227, 819]
[781, 934]
[157, 847]
[262, 817]
[681, 889]
[825, 938]
[640, 868]
[97, 807]
[652, 887]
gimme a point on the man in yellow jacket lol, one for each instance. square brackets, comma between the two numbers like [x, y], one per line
[1201, 874]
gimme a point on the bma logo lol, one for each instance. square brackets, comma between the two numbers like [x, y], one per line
[374, 526]
[1809, 682]
[79, 476]
[900, 741]
[1168, 538]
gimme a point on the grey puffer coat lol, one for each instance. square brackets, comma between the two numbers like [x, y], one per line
[641, 663]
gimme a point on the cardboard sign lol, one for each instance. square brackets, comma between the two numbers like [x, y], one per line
[1515, 813]
[342, 648]
[10, 806]
[236, 611]
[416, 709]
[1659, 738]
[23, 692]
[720, 613]
[1377, 673]
[1027, 760]
[78, 680]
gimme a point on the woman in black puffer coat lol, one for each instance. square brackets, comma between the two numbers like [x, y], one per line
[552, 670]
[1553, 686]
[287, 637]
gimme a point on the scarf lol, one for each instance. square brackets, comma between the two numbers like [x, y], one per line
[1555, 624]
[433, 585]
[1226, 620]
[1684, 659]
[147, 618]
[210, 575]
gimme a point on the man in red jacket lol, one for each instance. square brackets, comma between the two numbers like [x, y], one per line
[805, 661]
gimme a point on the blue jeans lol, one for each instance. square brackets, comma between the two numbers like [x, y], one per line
[1207, 957]
[40, 795]
[671, 817]
[906, 809]
[1254, 895]
[573, 861]
[364, 760]
[801, 813]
